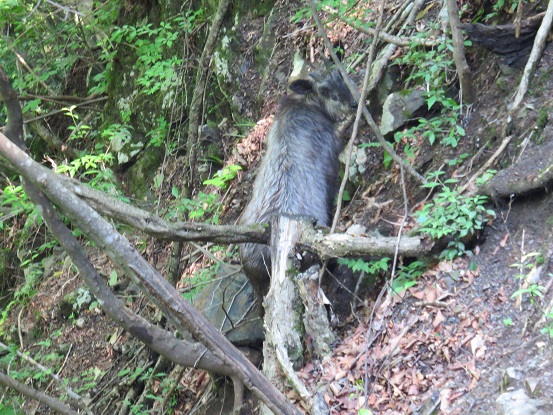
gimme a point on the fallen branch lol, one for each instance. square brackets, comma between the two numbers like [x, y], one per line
[386, 37]
[31, 393]
[326, 245]
[78, 104]
[119, 249]
[487, 164]
[529, 69]
[533, 171]
[61, 383]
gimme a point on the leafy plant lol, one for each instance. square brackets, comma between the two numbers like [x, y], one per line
[368, 267]
[431, 69]
[198, 280]
[450, 213]
[204, 206]
[526, 267]
[407, 275]
[508, 6]
[221, 178]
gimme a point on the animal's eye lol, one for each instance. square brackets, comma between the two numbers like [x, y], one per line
[324, 91]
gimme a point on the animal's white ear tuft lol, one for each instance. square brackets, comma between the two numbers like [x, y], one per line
[301, 86]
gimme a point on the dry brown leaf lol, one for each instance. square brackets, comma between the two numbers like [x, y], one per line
[431, 295]
[438, 319]
[445, 402]
[413, 390]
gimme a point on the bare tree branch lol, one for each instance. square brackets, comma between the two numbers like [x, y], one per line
[530, 67]
[29, 392]
[195, 112]
[386, 37]
[176, 308]
[463, 71]
[368, 117]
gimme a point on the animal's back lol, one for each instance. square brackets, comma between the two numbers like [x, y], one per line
[298, 175]
[299, 171]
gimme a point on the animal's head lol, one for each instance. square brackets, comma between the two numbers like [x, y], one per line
[327, 89]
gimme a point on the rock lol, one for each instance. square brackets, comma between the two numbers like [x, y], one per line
[228, 303]
[358, 163]
[510, 376]
[518, 403]
[356, 230]
[399, 108]
[531, 385]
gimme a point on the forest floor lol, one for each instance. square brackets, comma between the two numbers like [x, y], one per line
[455, 340]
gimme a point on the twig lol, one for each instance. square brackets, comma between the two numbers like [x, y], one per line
[67, 10]
[537, 49]
[487, 164]
[22, 61]
[368, 117]
[40, 117]
[518, 19]
[49, 401]
[396, 40]
[60, 99]
[59, 380]
[360, 105]
[20, 335]
[463, 71]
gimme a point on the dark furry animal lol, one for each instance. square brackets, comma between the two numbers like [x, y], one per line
[299, 172]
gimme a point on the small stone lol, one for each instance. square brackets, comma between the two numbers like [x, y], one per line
[79, 323]
[510, 376]
[356, 230]
[531, 385]
[517, 403]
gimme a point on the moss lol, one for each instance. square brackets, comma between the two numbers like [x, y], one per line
[542, 118]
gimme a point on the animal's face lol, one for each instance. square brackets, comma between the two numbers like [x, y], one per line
[327, 89]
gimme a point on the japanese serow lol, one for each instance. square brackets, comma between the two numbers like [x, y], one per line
[299, 172]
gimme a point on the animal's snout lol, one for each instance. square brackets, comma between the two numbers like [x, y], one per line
[353, 104]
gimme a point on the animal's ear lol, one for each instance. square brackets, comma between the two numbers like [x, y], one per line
[301, 86]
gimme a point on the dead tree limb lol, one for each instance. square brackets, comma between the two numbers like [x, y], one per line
[283, 349]
[502, 39]
[31, 393]
[61, 383]
[118, 248]
[326, 245]
[195, 112]
[537, 49]
[463, 71]
[534, 171]
[368, 117]
[386, 37]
